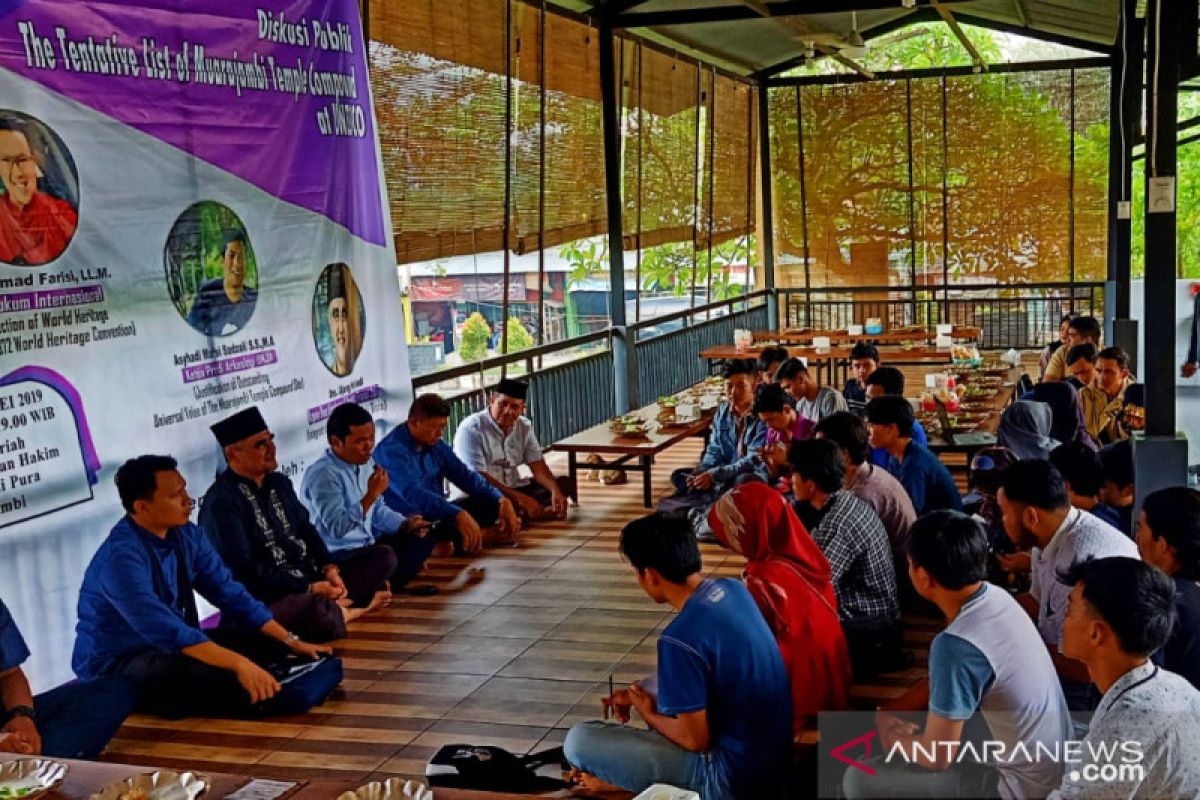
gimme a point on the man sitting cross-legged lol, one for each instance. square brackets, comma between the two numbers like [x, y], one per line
[264, 534]
[775, 408]
[719, 713]
[1037, 514]
[1083, 476]
[1169, 538]
[736, 438]
[496, 441]
[419, 463]
[864, 359]
[987, 661]
[851, 536]
[343, 490]
[1120, 611]
[885, 382]
[75, 720]
[138, 616]
[929, 484]
[814, 402]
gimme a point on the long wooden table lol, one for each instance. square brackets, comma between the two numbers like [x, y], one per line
[632, 453]
[834, 362]
[964, 333]
[85, 778]
[997, 404]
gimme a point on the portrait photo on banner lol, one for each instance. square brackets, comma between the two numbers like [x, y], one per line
[39, 191]
[338, 318]
[211, 271]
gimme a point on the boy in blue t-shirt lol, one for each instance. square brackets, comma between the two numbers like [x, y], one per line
[719, 713]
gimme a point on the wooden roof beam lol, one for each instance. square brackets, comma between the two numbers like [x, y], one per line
[952, 23]
[837, 56]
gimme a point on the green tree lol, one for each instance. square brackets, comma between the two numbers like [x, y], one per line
[519, 337]
[475, 335]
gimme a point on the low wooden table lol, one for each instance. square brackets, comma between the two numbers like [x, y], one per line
[601, 440]
[803, 335]
[85, 778]
[822, 360]
[998, 403]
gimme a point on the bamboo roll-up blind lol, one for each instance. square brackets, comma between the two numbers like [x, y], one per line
[667, 92]
[572, 182]
[857, 193]
[1009, 215]
[438, 73]
[734, 119]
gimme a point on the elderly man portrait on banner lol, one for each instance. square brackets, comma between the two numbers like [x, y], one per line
[35, 227]
[499, 440]
[265, 535]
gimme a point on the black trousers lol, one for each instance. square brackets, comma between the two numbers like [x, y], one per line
[175, 685]
[316, 618]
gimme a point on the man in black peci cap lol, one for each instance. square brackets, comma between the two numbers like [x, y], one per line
[497, 441]
[263, 532]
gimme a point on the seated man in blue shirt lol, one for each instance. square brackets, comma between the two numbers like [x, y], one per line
[343, 491]
[264, 534]
[864, 360]
[419, 463]
[76, 720]
[719, 713]
[735, 440]
[928, 483]
[138, 616]
[889, 381]
[988, 661]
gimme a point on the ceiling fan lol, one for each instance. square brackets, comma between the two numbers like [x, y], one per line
[852, 44]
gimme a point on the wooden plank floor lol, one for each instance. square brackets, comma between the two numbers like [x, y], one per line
[512, 657]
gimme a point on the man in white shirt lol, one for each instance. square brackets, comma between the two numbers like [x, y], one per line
[1142, 740]
[497, 441]
[1037, 514]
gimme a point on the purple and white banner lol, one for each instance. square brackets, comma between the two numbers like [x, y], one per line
[192, 221]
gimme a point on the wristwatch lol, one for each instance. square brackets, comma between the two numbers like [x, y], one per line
[23, 711]
[291, 638]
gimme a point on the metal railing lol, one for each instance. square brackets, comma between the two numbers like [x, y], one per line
[1017, 316]
[564, 398]
[670, 361]
[569, 395]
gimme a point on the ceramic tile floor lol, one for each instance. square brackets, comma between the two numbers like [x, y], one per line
[513, 660]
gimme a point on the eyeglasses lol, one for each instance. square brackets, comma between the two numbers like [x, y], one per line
[22, 161]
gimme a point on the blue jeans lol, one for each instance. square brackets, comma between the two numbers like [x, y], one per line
[77, 720]
[636, 758]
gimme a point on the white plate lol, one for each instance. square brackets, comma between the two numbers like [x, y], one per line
[391, 789]
[660, 791]
[33, 776]
[161, 784]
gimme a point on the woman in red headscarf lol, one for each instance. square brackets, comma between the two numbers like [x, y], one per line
[789, 578]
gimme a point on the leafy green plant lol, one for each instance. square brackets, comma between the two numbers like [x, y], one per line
[475, 335]
[519, 337]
